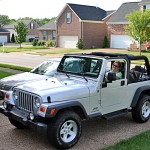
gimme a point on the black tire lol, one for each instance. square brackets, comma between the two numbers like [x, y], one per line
[17, 124]
[65, 130]
[141, 112]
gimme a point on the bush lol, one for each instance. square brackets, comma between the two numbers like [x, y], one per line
[35, 42]
[80, 44]
[13, 38]
[105, 42]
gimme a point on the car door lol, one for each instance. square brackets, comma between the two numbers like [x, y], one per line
[113, 93]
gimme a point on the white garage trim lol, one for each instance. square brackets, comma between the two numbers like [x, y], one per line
[3, 38]
[68, 41]
[121, 41]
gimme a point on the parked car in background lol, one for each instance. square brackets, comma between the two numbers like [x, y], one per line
[46, 68]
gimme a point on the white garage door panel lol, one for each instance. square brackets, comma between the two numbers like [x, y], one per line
[121, 41]
[68, 41]
[3, 39]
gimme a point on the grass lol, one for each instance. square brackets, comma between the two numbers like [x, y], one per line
[17, 49]
[139, 142]
[15, 67]
[4, 74]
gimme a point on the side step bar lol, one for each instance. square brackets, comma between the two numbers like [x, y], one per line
[116, 114]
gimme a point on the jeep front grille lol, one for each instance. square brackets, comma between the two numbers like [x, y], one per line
[25, 101]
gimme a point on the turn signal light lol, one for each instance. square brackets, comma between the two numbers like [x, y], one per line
[42, 109]
[7, 96]
[52, 111]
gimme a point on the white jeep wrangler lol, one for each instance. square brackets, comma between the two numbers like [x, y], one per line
[57, 105]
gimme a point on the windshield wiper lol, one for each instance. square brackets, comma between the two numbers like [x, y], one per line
[63, 72]
[84, 77]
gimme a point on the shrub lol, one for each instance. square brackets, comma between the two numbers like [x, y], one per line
[80, 44]
[13, 38]
[105, 42]
[35, 42]
[47, 43]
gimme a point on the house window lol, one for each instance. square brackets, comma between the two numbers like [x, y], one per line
[53, 35]
[44, 35]
[68, 17]
[148, 6]
[31, 26]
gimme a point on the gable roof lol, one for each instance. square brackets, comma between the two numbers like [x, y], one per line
[87, 13]
[48, 26]
[120, 15]
[11, 26]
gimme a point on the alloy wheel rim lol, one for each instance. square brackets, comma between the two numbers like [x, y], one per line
[146, 109]
[68, 131]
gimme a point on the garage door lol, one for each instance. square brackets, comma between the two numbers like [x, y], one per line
[121, 41]
[3, 39]
[68, 41]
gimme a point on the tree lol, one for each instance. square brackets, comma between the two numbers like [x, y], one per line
[4, 19]
[22, 31]
[138, 26]
[13, 38]
[105, 42]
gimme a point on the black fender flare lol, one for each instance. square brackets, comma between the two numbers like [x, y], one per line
[63, 106]
[138, 93]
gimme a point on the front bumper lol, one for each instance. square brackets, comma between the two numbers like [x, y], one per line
[22, 118]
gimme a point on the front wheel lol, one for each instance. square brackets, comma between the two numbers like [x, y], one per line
[141, 112]
[65, 130]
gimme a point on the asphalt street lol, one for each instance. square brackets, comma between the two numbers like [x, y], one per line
[97, 133]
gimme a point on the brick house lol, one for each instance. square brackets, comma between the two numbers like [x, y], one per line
[47, 31]
[4, 35]
[80, 21]
[32, 27]
[118, 21]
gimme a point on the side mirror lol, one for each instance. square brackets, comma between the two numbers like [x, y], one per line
[111, 76]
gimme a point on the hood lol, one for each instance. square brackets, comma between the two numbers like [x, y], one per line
[14, 80]
[58, 88]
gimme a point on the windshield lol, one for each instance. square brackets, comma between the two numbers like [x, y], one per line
[80, 65]
[46, 68]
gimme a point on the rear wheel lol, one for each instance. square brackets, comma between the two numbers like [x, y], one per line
[17, 124]
[65, 131]
[141, 112]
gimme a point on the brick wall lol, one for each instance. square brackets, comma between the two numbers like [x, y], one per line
[69, 29]
[33, 31]
[93, 34]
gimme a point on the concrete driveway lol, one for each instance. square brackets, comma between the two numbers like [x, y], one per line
[96, 134]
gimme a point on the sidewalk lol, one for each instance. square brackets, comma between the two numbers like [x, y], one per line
[11, 70]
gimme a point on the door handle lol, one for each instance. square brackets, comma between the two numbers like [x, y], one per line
[122, 83]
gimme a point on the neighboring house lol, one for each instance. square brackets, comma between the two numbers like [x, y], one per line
[32, 27]
[81, 21]
[4, 35]
[47, 31]
[118, 21]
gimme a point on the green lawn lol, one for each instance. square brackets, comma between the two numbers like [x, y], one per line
[17, 49]
[15, 67]
[139, 142]
[4, 74]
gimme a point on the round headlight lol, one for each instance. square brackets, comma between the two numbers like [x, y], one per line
[15, 95]
[37, 102]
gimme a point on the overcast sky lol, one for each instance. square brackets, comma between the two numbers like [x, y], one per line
[15, 9]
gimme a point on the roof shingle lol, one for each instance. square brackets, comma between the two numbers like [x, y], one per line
[88, 12]
[50, 26]
[123, 10]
